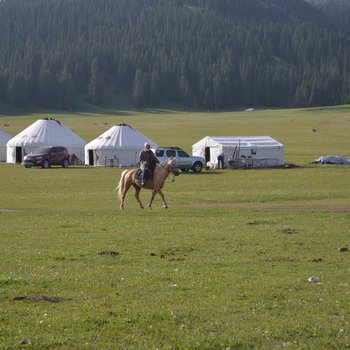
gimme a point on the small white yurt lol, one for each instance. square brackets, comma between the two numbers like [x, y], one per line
[120, 145]
[44, 132]
[4, 138]
[254, 151]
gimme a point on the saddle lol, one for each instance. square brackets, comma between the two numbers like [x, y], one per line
[144, 173]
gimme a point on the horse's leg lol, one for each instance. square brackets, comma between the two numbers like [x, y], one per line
[154, 192]
[123, 195]
[137, 193]
[165, 205]
[123, 187]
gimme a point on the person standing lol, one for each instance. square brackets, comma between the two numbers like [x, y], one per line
[221, 160]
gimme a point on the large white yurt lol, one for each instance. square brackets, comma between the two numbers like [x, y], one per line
[44, 132]
[119, 145]
[4, 138]
[257, 151]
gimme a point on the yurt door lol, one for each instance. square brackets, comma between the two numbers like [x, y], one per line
[18, 154]
[91, 157]
[207, 154]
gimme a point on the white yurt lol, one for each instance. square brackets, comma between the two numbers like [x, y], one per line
[255, 151]
[4, 138]
[44, 132]
[120, 145]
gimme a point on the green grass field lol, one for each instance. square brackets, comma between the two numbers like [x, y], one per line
[225, 267]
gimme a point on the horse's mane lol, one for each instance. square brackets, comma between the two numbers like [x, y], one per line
[164, 163]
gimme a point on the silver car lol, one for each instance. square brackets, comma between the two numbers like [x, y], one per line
[184, 161]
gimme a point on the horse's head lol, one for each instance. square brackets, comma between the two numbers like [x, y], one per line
[171, 166]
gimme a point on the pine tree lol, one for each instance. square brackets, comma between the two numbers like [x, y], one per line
[208, 101]
[138, 93]
[33, 80]
[218, 92]
[96, 84]
[186, 92]
[17, 92]
[155, 89]
[301, 96]
[49, 89]
[146, 80]
[68, 92]
[3, 88]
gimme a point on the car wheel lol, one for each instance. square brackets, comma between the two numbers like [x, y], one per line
[27, 166]
[65, 163]
[185, 170]
[46, 164]
[197, 167]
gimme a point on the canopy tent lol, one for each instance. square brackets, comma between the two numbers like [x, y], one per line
[4, 138]
[258, 151]
[121, 143]
[44, 132]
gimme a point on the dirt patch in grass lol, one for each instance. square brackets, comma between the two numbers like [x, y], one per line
[290, 231]
[174, 254]
[40, 297]
[111, 253]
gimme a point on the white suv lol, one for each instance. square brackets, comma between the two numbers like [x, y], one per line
[184, 161]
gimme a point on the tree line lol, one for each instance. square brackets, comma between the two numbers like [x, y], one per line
[203, 54]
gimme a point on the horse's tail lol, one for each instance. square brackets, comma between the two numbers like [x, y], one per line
[121, 185]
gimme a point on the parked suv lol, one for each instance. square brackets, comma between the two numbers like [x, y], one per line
[185, 162]
[47, 156]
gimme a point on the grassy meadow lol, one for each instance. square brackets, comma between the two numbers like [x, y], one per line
[225, 267]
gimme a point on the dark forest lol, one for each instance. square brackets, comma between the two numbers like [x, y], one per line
[199, 54]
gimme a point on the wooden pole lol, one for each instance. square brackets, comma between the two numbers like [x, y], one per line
[237, 154]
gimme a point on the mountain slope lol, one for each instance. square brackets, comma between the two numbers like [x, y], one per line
[211, 54]
[339, 10]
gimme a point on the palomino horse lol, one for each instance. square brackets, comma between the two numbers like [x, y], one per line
[161, 172]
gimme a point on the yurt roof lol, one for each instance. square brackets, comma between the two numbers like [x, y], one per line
[47, 131]
[121, 136]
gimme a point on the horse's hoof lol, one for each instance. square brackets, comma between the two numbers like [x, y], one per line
[141, 207]
[165, 206]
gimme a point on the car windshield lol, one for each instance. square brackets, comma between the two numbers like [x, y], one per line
[42, 150]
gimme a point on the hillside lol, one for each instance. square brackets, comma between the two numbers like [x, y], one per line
[339, 10]
[206, 54]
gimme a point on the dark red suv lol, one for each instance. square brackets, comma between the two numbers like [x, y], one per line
[47, 156]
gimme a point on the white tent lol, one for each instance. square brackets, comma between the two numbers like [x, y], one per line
[44, 132]
[4, 138]
[121, 144]
[254, 151]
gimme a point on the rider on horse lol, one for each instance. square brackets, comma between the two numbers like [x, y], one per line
[148, 162]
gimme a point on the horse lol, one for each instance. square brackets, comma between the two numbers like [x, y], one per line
[156, 183]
